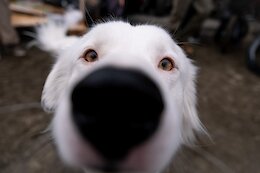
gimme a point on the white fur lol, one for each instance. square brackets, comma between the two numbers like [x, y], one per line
[52, 35]
[137, 47]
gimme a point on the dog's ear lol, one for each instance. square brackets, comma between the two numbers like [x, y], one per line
[191, 122]
[54, 86]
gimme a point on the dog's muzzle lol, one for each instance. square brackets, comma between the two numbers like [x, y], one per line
[116, 110]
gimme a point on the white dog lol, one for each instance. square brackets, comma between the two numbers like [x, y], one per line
[124, 98]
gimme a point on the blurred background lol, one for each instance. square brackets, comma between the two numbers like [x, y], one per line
[221, 36]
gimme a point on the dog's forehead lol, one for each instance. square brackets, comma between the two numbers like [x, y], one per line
[121, 32]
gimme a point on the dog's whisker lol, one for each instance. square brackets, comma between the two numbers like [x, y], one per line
[30, 34]
[41, 133]
[88, 18]
[213, 160]
[41, 147]
[183, 43]
[19, 107]
[111, 17]
[31, 44]
[200, 144]
[176, 29]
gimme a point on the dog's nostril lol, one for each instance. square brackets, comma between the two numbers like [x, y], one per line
[116, 110]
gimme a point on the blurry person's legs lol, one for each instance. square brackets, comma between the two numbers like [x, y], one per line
[104, 9]
[188, 15]
[8, 36]
[179, 10]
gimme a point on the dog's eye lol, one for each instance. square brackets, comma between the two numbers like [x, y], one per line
[90, 55]
[166, 64]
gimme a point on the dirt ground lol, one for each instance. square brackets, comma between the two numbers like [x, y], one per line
[229, 107]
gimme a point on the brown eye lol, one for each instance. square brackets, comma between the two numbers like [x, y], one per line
[90, 55]
[166, 64]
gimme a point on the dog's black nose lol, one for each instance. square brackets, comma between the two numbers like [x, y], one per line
[116, 109]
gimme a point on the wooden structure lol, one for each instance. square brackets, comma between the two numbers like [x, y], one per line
[34, 14]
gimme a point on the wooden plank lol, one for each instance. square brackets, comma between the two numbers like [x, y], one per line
[26, 14]
[26, 9]
[23, 20]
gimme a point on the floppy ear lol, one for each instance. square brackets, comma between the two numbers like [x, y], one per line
[191, 122]
[55, 85]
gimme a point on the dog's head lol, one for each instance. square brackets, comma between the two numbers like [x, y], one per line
[124, 99]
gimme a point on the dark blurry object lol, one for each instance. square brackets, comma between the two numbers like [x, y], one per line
[123, 8]
[253, 56]
[187, 16]
[153, 7]
[63, 3]
[134, 6]
[235, 17]
[234, 25]
[231, 31]
[8, 35]
[92, 11]
[98, 10]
